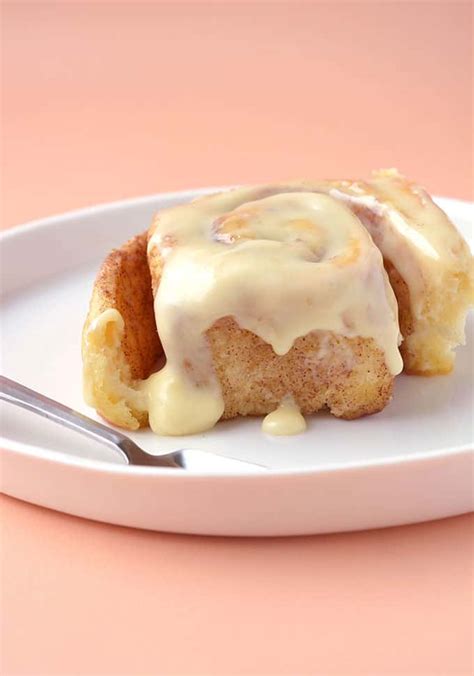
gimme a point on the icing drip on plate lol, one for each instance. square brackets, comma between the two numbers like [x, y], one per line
[285, 420]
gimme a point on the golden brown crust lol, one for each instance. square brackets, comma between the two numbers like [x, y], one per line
[118, 354]
[124, 283]
[400, 288]
[322, 370]
[427, 347]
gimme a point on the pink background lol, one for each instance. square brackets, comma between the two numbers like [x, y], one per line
[111, 99]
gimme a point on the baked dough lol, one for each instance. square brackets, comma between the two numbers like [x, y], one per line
[120, 344]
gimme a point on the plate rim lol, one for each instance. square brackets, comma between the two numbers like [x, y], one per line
[104, 466]
[70, 214]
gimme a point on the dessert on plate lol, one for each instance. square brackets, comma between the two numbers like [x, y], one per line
[276, 301]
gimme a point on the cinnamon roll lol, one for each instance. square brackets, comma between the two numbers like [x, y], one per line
[429, 264]
[263, 295]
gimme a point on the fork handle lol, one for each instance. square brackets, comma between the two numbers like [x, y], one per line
[20, 395]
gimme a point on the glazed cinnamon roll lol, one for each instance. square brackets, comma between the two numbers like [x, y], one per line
[275, 301]
[429, 264]
[268, 298]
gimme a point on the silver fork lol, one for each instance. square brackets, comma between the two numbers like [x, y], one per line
[20, 395]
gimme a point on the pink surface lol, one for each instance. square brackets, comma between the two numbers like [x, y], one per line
[110, 100]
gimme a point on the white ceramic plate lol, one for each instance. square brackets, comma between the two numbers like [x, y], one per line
[412, 462]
